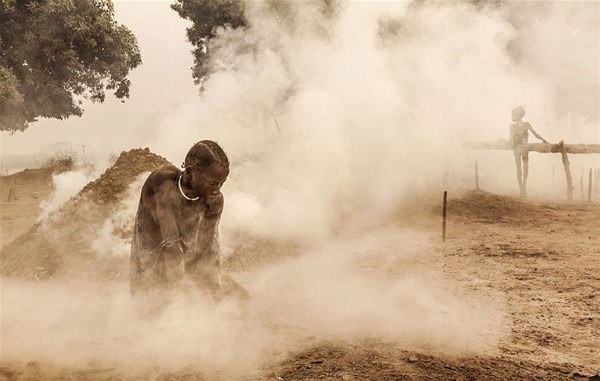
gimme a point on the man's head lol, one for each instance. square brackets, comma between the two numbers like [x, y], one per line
[518, 113]
[206, 168]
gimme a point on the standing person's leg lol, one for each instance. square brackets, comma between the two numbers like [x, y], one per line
[525, 156]
[517, 155]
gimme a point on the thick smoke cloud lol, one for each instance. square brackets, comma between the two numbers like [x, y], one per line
[328, 115]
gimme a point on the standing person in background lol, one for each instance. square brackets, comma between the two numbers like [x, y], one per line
[518, 141]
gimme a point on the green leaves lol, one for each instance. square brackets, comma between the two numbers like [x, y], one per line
[207, 16]
[54, 53]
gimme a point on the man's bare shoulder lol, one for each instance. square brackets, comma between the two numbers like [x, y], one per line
[165, 174]
[167, 171]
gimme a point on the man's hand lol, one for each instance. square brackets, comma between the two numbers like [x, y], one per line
[214, 206]
[174, 262]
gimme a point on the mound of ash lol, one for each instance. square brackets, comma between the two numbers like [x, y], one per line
[60, 244]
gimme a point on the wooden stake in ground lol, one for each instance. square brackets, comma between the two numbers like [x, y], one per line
[444, 216]
[566, 164]
[590, 187]
[10, 192]
[476, 176]
[581, 183]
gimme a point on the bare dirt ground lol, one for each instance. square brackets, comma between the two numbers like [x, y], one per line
[543, 257]
[538, 259]
[20, 197]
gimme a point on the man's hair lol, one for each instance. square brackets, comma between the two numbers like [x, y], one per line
[520, 110]
[205, 153]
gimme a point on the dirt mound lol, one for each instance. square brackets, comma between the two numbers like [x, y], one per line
[61, 242]
[109, 187]
[489, 208]
[34, 175]
[386, 362]
[20, 197]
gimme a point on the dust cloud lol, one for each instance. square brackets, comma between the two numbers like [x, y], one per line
[349, 289]
[349, 112]
[332, 119]
[65, 185]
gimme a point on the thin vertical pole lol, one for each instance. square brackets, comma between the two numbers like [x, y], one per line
[476, 176]
[581, 184]
[444, 216]
[590, 186]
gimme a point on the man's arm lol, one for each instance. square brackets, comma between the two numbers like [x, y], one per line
[164, 191]
[204, 261]
[535, 133]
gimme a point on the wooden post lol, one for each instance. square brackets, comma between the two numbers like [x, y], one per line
[444, 216]
[10, 192]
[590, 187]
[581, 184]
[566, 164]
[476, 176]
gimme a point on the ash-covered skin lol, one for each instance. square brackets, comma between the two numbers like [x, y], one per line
[176, 230]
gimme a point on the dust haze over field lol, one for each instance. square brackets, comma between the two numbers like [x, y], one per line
[331, 120]
[373, 101]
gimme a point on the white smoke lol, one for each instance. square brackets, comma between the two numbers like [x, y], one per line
[67, 184]
[329, 116]
[114, 237]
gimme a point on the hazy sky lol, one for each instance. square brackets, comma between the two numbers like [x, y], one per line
[159, 84]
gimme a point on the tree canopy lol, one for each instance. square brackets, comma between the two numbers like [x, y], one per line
[55, 53]
[206, 17]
